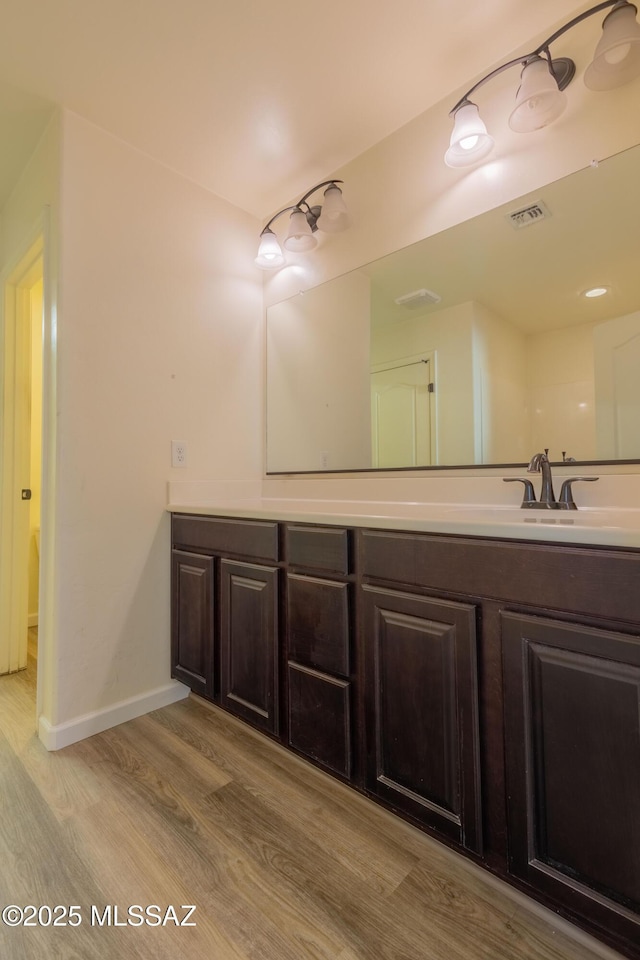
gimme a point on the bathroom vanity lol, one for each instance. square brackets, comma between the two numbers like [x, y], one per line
[485, 688]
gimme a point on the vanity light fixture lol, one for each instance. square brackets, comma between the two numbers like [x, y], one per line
[540, 98]
[304, 221]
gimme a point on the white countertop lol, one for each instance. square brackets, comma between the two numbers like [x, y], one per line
[587, 526]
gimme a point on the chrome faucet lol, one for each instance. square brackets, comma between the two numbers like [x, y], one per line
[539, 463]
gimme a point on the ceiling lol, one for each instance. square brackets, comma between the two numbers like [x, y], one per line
[253, 101]
[533, 276]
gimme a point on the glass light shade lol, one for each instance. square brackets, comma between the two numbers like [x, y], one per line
[270, 253]
[299, 238]
[616, 60]
[334, 216]
[539, 101]
[470, 141]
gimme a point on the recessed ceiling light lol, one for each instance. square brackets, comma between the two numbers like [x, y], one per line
[596, 292]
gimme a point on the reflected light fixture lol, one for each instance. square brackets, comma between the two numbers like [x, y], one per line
[331, 217]
[540, 98]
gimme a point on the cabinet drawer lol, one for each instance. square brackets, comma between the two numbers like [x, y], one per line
[319, 548]
[319, 718]
[246, 538]
[318, 617]
[588, 581]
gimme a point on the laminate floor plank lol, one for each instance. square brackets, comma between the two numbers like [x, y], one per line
[39, 869]
[127, 853]
[358, 829]
[218, 879]
[178, 761]
[309, 879]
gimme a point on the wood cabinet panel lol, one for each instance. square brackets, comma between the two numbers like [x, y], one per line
[192, 616]
[422, 710]
[255, 539]
[319, 718]
[572, 702]
[318, 548]
[319, 623]
[582, 580]
[249, 642]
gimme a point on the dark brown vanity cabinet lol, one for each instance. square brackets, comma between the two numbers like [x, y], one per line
[422, 710]
[225, 623]
[249, 642]
[487, 690]
[192, 621]
[319, 654]
[572, 712]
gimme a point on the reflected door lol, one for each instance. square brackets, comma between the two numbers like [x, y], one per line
[401, 415]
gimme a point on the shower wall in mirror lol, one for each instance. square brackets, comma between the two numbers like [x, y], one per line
[476, 346]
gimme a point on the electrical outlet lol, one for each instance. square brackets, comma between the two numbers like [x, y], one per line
[178, 453]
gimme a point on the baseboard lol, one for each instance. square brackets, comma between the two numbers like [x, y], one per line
[55, 737]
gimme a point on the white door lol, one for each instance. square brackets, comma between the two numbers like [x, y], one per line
[617, 388]
[15, 451]
[401, 414]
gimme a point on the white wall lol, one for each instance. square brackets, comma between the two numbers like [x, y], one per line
[155, 334]
[160, 337]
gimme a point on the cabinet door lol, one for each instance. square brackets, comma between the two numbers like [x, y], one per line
[422, 710]
[572, 705]
[249, 642]
[192, 631]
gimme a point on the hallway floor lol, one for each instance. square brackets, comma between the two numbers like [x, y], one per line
[187, 806]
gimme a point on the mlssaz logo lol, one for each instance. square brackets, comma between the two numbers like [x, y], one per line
[137, 916]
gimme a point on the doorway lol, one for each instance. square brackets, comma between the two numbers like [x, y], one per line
[402, 413]
[21, 338]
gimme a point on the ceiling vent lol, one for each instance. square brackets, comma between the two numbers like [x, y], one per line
[528, 215]
[418, 298]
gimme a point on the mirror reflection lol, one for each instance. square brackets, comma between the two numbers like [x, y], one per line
[479, 345]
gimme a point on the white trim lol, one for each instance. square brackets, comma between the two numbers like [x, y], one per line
[63, 734]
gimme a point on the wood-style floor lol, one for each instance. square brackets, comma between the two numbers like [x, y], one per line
[188, 806]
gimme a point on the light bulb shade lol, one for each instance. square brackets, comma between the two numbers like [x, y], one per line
[470, 141]
[539, 101]
[334, 216]
[299, 238]
[270, 253]
[616, 60]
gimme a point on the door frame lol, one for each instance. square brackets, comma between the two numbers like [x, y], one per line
[35, 245]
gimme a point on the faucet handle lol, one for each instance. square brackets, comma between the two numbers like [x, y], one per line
[566, 500]
[529, 496]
